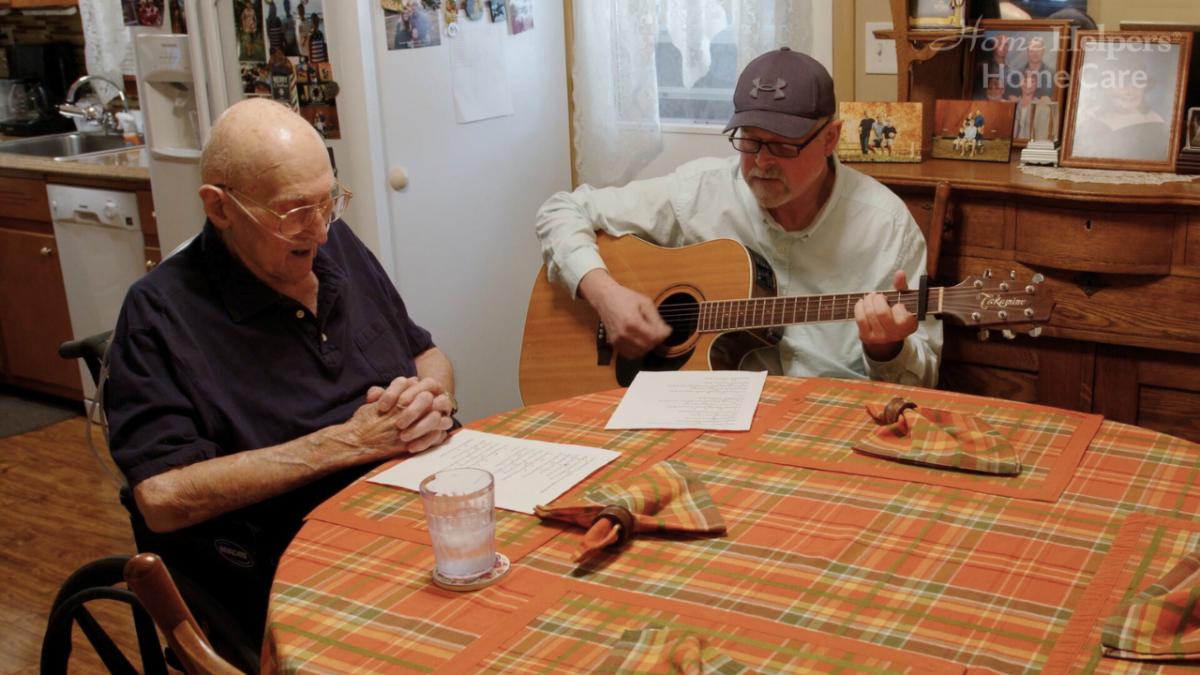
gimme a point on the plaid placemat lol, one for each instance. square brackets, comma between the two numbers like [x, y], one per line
[571, 627]
[395, 512]
[1146, 548]
[820, 433]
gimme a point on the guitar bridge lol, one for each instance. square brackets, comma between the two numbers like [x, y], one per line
[603, 348]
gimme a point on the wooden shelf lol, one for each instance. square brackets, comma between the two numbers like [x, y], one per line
[1008, 179]
[920, 35]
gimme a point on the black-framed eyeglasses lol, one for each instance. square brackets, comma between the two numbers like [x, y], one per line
[751, 146]
[298, 219]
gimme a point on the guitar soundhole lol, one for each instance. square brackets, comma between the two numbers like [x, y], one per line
[681, 311]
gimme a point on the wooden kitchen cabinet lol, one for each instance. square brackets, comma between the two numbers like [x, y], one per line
[1123, 262]
[34, 318]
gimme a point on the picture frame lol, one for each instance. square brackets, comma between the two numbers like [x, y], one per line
[1192, 139]
[1046, 122]
[1126, 104]
[946, 14]
[1003, 54]
[880, 132]
[977, 131]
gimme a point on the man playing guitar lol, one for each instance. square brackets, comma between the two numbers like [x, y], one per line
[822, 227]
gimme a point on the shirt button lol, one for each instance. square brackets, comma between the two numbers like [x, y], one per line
[323, 338]
[782, 248]
[299, 314]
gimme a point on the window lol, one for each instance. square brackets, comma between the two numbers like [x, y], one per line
[710, 101]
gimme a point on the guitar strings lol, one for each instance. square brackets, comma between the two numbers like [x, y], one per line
[810, 304]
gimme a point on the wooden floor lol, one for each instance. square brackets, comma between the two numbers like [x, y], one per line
[60, 510]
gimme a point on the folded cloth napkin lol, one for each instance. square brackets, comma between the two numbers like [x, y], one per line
[667, 652]
[667, 496]
[1162, 622]
[937, 438]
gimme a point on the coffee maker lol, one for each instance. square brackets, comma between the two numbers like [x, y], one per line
[41, 74]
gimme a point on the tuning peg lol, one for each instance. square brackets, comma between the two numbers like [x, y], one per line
[1012, 274]
[983, 334]
[1035, 331]
[987, 274]
[1038, 278]
[1008, 334]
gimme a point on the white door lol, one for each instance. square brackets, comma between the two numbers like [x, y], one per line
[460, 236]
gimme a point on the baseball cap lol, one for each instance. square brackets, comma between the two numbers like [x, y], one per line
[783, 92]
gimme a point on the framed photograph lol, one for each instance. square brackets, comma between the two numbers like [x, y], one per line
[1022, 62]
[880, 132]
[1125, 109]
[936, 13]
[979, 131]
[1044, 123]
[1193, 129]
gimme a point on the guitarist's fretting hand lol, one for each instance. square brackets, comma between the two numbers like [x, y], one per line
[630, 318]
[882, 327]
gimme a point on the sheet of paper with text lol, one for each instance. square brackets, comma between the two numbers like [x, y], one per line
[722, 400]
[527, 473]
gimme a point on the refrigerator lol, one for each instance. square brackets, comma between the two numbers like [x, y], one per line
[447, 207]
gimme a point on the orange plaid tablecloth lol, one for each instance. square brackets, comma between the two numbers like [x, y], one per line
[823, 568]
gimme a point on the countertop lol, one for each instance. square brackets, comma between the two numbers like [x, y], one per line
[132, 164]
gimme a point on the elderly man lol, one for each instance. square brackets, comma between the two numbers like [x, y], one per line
[264, 366]
[823, 227]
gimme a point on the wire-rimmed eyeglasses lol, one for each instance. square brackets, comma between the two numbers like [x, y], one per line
[296, 220]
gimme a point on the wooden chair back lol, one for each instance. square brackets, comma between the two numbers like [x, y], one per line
[150, 581]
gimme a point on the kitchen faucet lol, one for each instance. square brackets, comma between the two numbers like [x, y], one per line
[93, 111]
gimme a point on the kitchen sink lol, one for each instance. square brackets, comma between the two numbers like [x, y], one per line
[64, 145]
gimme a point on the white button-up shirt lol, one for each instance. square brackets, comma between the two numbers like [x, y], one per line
[862, 235]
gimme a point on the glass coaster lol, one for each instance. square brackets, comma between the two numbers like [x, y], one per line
[491, 576]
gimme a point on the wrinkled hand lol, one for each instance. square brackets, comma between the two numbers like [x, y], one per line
[882, 328]
[415, 412]
[630, 319]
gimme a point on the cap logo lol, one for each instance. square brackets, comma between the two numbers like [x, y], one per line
[777, 88]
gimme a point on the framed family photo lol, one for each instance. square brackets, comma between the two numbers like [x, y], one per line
[1193, 129]
[979, 131]
[936, 13]
[1022, 62]
[1126, 105]
[880, 132]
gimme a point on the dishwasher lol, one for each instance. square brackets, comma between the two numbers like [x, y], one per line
[101, 254]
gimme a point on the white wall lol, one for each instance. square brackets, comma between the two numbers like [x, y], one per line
[685, 142]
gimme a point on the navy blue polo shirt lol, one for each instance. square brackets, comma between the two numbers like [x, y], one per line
[208, 361]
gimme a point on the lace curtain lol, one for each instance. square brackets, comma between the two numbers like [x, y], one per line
[615, 86]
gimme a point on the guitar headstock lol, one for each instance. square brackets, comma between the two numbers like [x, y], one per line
[988, 302]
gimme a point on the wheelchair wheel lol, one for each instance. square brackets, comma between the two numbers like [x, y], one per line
[103, 579]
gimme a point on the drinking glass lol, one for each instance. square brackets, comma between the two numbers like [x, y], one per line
[460, 509]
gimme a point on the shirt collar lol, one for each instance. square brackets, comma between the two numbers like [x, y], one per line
[244, 294]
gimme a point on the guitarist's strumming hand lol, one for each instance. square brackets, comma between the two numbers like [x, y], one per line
[882, 327]
[630, 319]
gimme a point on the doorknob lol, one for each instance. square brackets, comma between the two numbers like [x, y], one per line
[398, 178]
[46, 251]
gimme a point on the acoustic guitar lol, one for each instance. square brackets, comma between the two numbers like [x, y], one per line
[725, 309]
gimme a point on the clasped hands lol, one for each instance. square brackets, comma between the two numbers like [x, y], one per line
[411, 415]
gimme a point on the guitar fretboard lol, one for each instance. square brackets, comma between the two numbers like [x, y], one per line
[726, 315]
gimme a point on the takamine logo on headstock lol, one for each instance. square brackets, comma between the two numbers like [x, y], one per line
[985, 302]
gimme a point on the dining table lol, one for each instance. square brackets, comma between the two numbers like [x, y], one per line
[832, 560]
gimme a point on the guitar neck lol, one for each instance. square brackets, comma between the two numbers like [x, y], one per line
[726, 315]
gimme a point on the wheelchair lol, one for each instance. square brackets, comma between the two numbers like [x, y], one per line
[101, 580]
